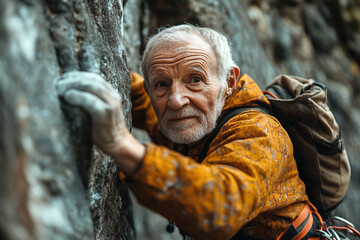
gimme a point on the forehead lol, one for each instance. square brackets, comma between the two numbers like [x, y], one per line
[194, 51]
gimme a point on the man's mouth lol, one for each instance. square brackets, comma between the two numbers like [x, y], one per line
[178, 119]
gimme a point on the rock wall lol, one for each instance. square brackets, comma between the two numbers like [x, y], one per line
[54, 185]
[314, 39]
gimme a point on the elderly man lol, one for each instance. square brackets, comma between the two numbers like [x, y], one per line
[248, 183]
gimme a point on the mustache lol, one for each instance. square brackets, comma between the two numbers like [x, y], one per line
[182, 113]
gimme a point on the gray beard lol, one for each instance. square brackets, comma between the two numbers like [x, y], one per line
[195, 136]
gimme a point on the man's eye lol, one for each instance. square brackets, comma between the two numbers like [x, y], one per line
[161, 84]
[195, 80]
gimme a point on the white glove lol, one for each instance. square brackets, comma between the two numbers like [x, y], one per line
[91, 92]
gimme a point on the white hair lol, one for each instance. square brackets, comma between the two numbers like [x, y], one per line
[182, 34]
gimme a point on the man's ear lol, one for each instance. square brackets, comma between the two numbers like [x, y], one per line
[232, 79]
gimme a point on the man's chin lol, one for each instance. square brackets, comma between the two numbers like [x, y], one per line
[184, 138]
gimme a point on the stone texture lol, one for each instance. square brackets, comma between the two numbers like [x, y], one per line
[55, 185]
[322, 35]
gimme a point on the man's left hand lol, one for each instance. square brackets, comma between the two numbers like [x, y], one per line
[91, 92]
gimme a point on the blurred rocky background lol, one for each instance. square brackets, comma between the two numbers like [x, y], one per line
[313, 39]
[54, 184]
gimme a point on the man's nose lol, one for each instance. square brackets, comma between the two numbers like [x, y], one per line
[178, 97]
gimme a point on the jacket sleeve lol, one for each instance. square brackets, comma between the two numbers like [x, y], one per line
[236, 181]
[143, 114]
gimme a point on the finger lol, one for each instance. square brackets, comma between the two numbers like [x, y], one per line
[97, 87]
[77, 75]
[89, 102]
[80, 74]
[86, 75]
[80, 83]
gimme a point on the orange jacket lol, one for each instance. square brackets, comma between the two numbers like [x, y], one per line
[248, 181]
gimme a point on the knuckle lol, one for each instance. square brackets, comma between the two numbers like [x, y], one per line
[117, 96]
[98, 109]
[70, 74]
[108, 111]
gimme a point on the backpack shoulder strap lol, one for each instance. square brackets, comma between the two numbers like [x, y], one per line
[227, 116]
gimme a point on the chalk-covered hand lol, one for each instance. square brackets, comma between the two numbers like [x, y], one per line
[92, 93]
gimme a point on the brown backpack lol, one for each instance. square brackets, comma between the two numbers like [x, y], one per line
[301, 107]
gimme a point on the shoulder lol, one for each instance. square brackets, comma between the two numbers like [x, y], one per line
[251, 124]
[253, 142]
[252, 133]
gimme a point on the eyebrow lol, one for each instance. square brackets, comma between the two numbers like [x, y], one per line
[154, 77]
[198, 69]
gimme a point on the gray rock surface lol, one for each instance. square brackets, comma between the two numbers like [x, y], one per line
[54, 185]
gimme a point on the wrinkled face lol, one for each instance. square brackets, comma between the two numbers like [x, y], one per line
[185, 90]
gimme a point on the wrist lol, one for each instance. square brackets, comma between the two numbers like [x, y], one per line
[129, 154]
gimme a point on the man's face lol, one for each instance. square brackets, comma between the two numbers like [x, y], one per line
[185, 90]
